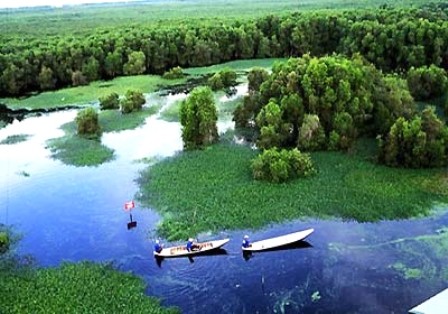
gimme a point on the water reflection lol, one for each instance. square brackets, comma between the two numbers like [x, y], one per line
[70, 213]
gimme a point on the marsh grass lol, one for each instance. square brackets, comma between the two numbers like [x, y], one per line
[238, 65]
[14, 139]
[82, 95]
[114, 120]
[75, 150]
[212, 190]
[171, 113]
[75, 288]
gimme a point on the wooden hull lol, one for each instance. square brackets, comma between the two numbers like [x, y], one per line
[279, 241]
[181, 250]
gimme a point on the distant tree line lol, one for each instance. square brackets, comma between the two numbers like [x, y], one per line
[394, 40]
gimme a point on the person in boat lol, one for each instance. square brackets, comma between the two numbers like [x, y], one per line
[246, 242]
[191, 245]
[158, 247]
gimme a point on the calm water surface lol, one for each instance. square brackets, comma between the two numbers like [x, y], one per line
[75, 213]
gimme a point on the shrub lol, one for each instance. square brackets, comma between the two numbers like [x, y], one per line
[215, 82]
[87, 123]
[174, 73]
[223, 79]
[281, 165]
[109, 101]
[133, 101]
[427, 82]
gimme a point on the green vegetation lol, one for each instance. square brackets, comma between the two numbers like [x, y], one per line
[213, 189]
[74, 150]
[75, 288]
[392, 39]
[133, 101]
[237, 65]
[276, 165]
[427, 82]
[420, 142]
[321, 103]
[422, 257]
[87, 94]
[114, 120]
[14, 139]
[87, 124]
[4, 241]
[408, 273]
[174, 73]
[52, 21]
[198, 118]
[110, 101]
[171, 113]
[223, 79]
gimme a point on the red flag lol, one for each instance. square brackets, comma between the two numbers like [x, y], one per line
[129, 205]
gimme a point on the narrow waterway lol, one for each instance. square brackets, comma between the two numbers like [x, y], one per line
[68, 213]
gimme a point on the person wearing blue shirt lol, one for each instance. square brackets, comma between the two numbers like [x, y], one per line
[191, 246]
[158, 247]
[246, 242]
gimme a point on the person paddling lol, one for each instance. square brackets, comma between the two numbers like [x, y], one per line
[246, 242]
[191, 246]
[158, 247]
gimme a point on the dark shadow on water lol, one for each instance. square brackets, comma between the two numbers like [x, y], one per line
[247, 255]
[132, 223]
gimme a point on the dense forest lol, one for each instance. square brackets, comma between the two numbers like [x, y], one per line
[394, 40]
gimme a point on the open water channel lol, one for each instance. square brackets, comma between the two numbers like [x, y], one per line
[68, 213]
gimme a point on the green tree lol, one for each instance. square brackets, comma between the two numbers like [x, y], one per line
[427, 82]
[256, 77]
[419, 142]
[46, 79]
[87, 123]
[78, 78]
[136, 63]
[198, 117]
[215, 82]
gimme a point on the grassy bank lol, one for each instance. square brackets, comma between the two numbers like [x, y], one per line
[213, 190]
[82, 95]
[75, 288]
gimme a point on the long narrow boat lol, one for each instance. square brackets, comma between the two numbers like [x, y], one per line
[279, 241]
[181, 250]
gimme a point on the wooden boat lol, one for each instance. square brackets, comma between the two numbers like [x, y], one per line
[181, 250]
[279, 241]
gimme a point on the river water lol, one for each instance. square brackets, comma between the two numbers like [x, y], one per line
[68, 213]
